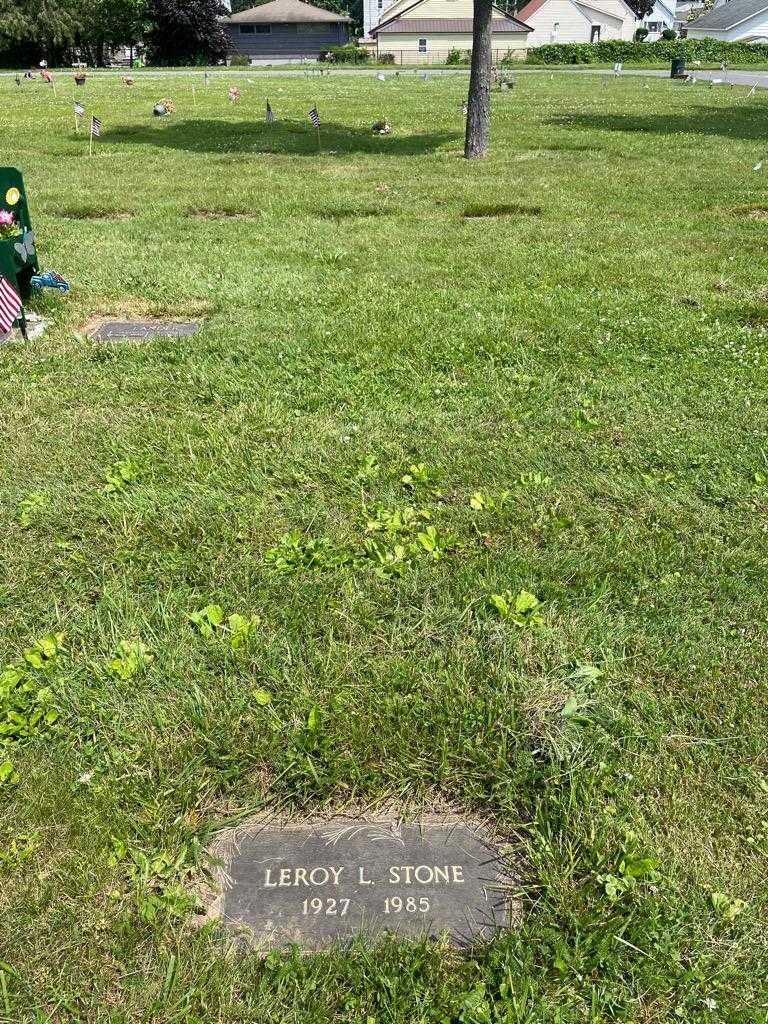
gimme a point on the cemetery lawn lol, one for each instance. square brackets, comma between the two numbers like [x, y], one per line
[419, 383]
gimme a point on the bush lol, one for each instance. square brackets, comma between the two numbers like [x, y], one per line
[669, 33]
[386, 58]
[239, 61]
[454, 57]
[712, 51]
[348, 54]
[640, 34]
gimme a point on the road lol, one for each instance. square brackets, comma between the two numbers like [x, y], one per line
[742, 78]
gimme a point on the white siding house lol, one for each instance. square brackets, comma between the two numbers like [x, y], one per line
[375, 11]
[662, 16]
[738, 21]
[577, 21]
[425, 31]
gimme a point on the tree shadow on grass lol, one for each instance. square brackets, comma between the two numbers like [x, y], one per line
[735, 122]
[294, 138]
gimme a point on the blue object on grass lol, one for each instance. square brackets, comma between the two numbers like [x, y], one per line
[50, 279]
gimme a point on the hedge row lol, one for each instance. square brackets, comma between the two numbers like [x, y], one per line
[659, 52]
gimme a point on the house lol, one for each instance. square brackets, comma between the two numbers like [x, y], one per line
[577, 21]
[426, 31]
[737, 21]
[374, 11]
[687, 11]
[285, 30]
[661, 17]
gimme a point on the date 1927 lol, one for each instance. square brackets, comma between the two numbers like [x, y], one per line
[392, 905]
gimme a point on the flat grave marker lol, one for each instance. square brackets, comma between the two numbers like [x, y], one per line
[321, 882]
[114, 330]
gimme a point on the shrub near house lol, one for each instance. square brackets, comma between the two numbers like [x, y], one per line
[659, 52]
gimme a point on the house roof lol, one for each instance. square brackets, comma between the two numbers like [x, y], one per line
[448, 25]
[665, 5]
[720, 19]
[283, 12]
[398, 23]
[681, 16]
[530, 9]
[598, 10]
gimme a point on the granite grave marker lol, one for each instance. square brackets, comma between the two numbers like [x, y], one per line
[112, 330]
[320, 882]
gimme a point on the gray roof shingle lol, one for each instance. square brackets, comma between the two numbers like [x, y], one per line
[283, 12]
[720, 19]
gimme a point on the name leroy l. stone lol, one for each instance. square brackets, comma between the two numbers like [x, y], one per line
[419, 874]
[315, 883]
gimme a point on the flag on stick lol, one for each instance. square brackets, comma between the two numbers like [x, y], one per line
[314, 117]
[95, 133]
[79, 111]
[10, 305]
[270, 116]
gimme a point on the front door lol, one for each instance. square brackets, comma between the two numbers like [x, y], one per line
[595, 34]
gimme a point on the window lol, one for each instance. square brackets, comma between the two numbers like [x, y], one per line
[246, 30]
[422, 46]
[381, 4]
[594, 36]
[553, 33]
[263, 30]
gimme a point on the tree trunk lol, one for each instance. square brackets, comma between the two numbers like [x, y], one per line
[479, 104]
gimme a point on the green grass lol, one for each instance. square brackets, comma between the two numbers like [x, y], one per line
[596, 370]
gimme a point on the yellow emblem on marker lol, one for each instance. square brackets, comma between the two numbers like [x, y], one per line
[12, 196]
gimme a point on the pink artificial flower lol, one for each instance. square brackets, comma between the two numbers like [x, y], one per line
[6, 218]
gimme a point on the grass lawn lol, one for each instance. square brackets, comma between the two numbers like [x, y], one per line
[393, 411]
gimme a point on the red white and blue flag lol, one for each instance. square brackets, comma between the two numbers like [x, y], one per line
[10, 305]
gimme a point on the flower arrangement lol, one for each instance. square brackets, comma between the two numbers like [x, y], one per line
[8, 224]
[164, 107]
[381, 128]
[234, 94]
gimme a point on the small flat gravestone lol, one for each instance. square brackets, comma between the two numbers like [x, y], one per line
[112, 330]
[318, 883]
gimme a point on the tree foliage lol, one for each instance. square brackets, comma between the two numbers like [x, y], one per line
[642, 8]
[176, 31]
[186, 31]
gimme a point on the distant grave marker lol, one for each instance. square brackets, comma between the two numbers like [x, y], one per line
[118, 330]
[321, 882]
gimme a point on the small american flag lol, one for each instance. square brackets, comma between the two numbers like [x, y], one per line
[314, 117]
[95, 127]
[270, 116]
[79, 109]
[10, 305]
